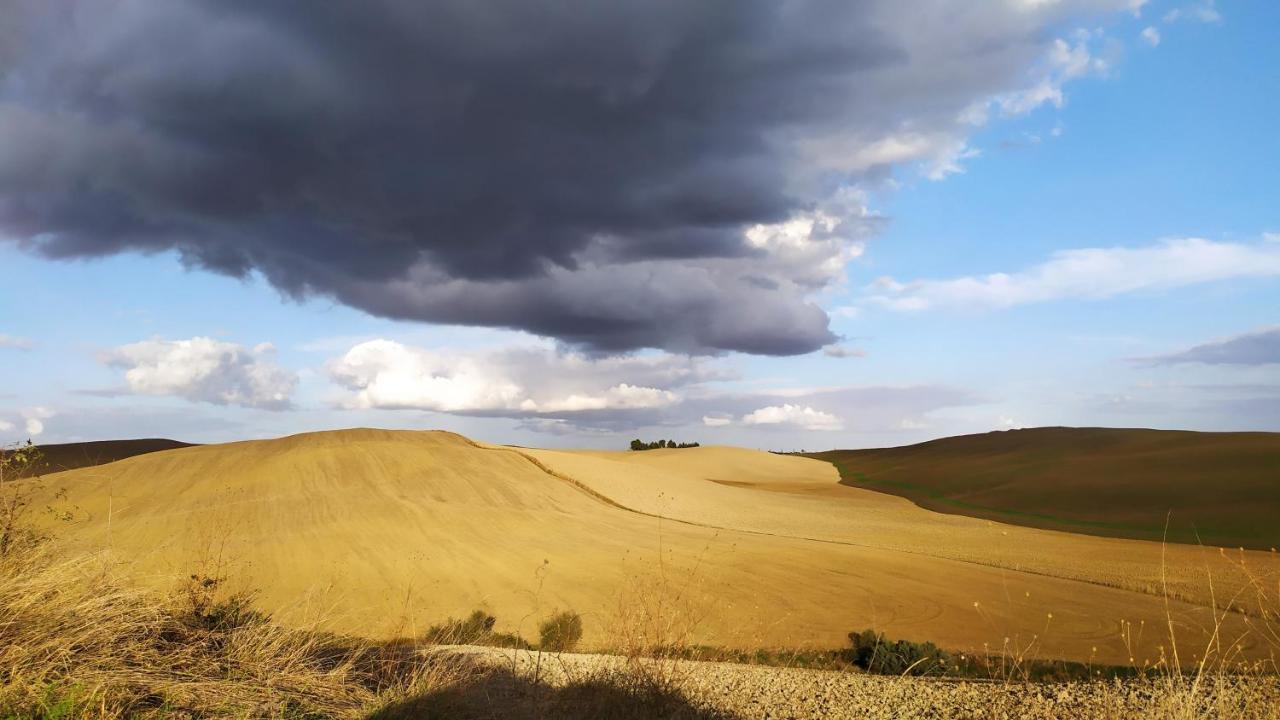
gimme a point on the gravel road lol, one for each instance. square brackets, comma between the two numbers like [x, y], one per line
[725, 690]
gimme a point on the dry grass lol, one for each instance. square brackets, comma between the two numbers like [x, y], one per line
[77, 641]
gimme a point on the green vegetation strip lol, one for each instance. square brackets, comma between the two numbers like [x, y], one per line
[915, 492]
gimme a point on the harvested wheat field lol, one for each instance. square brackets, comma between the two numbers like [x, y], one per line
[381, 533]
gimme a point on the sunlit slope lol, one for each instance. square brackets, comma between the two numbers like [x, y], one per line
[808, 501]
[1216, 488]
[379, 533]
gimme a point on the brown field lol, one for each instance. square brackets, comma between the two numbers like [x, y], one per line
[70, 456]
[1212, 488]
[381, 533]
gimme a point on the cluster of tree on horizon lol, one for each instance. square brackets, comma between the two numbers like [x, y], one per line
[660, 444]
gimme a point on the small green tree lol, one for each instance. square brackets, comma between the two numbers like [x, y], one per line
[560, 632]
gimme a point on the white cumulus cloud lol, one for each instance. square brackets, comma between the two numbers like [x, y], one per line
[15, 342]
[514, 382]
[798, 415]
[206, 370]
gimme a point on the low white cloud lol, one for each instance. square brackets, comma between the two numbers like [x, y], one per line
[550, 390]
[31, 427]
[1089, 273]
[619, 397]
[205, 370]
[797, 415]
[516, 382]
[839, 351]
[32, 420]
[15, 342]
[1151, 36]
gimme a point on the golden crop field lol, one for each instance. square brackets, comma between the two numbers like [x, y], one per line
[382, 533]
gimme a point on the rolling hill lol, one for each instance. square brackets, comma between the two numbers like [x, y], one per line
[1217, 488]
[70, 456]
[382, 533]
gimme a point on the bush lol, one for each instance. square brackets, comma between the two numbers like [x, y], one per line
[560, 632]
[471, 631]
[475, 629]
[873, 653]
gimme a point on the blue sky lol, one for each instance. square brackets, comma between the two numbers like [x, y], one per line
[1159, 160]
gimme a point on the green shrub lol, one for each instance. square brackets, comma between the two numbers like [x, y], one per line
[560, 632]
[471, 631]
[475, 629]
[875, 654]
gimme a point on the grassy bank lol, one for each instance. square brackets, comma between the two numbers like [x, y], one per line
[1189, 487]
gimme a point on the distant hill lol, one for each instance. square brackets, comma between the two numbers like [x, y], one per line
[1222, 488]
[70, 456]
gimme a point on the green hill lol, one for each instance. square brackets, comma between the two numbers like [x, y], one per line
[1216, 488]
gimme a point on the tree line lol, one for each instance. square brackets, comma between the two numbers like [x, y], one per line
[660, 444]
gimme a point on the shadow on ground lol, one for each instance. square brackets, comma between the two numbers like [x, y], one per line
[499, 693]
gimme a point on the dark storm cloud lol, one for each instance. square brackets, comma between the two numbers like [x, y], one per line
[580, 170]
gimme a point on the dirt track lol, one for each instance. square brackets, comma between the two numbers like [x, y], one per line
[724, 690]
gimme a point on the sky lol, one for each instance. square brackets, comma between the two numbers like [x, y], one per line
[800, 225]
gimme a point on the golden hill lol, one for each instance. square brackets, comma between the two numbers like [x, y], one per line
[1216, 488]
[381, 533]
